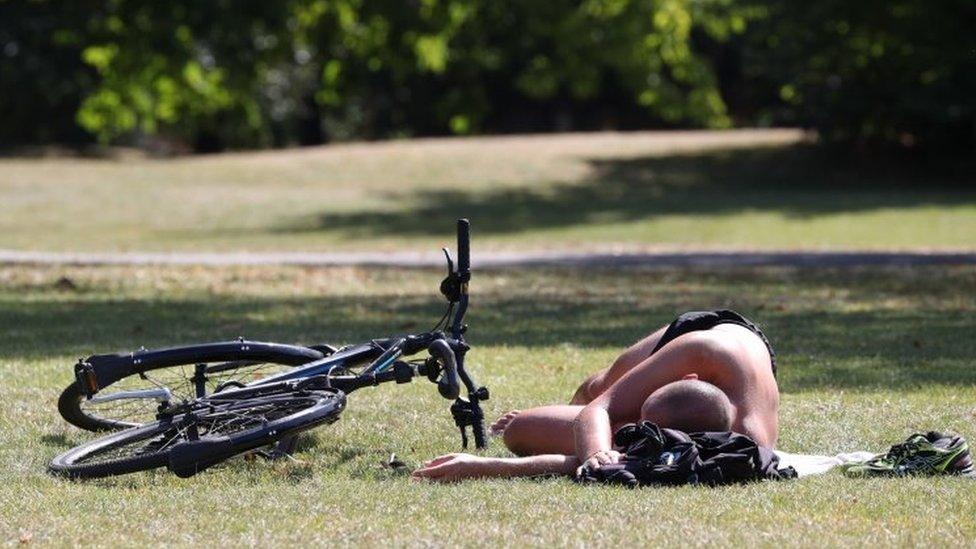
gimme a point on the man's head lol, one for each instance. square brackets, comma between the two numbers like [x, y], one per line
[689, 405]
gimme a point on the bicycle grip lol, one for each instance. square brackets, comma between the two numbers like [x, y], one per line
[449, 386]
[464, 245]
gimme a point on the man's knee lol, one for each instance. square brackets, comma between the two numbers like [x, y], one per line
[593, 386]
[516, 436]
[542, 430]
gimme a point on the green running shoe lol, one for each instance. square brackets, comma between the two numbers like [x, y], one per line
[929, 454]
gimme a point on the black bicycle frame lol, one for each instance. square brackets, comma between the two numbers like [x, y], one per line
[381, 357]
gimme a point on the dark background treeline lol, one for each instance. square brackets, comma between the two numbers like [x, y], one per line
[211, 75]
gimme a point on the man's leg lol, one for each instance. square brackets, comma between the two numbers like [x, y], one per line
[543, 430]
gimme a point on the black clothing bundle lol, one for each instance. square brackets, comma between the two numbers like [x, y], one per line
[666, 457]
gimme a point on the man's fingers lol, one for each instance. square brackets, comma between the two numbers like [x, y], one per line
[600, 459]
[436, 468]
[591, 464]
[439, 473]
[427, 472]
[439, 460]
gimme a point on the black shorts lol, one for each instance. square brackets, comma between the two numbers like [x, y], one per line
[694, 321]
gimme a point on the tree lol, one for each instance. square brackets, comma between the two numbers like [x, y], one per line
[898, 72]
[256, 73]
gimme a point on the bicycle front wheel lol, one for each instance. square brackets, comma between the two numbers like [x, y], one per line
[215, 430]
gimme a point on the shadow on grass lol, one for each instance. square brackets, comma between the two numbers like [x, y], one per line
[337, 456]
[800, 181]
[816, 348]
[305, 442]
[59, 440]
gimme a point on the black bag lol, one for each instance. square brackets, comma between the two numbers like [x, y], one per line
[665, 457]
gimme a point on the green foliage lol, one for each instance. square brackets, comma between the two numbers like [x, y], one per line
[896, 72]
[254, 73]
[221, 73]
[189, 69]
[456, 66]
[42, 75]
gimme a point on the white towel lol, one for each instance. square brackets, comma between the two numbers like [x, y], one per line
[811, 464]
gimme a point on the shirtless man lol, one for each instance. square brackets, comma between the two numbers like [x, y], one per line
[706, 371]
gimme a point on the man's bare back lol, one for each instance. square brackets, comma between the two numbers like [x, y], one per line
[716, 348]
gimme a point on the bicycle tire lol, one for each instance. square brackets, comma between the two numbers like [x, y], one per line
[69, 463]
[316, 407]
[72, 399]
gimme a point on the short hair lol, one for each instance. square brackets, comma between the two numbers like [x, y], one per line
[689, 405]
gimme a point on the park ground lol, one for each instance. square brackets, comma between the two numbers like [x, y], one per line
[743, 189]
[867, 355]
[866, 359]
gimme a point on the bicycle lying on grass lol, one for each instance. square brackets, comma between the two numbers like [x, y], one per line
[188, 408]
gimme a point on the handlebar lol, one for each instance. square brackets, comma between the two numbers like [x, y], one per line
[447, 355]
[464, 249]
[449, 385]
[461, 277]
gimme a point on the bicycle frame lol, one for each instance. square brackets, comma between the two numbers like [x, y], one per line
[381, 357]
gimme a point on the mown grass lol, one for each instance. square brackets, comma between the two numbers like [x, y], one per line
[867, 357]
[741, 189]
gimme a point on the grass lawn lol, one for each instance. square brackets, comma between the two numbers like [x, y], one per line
[755, 189]
[867, 357]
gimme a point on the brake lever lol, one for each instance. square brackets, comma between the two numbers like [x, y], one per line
[451, 285]
[450, 262]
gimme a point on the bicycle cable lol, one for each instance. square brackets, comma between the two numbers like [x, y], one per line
[444, 319]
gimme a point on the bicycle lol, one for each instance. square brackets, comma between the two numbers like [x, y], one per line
[246, 410]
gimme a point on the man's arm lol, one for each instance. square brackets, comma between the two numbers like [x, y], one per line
[623, 401]
[593, 436]
[454, 467]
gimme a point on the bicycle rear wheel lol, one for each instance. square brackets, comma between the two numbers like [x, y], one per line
[226, 364]
[214, 431]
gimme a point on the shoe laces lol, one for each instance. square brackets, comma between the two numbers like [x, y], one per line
[899, 451]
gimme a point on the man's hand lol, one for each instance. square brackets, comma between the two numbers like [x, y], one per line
[453, 467]
[599, 459]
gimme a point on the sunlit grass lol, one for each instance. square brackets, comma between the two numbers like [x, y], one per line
[742, 189]
[866, 356]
